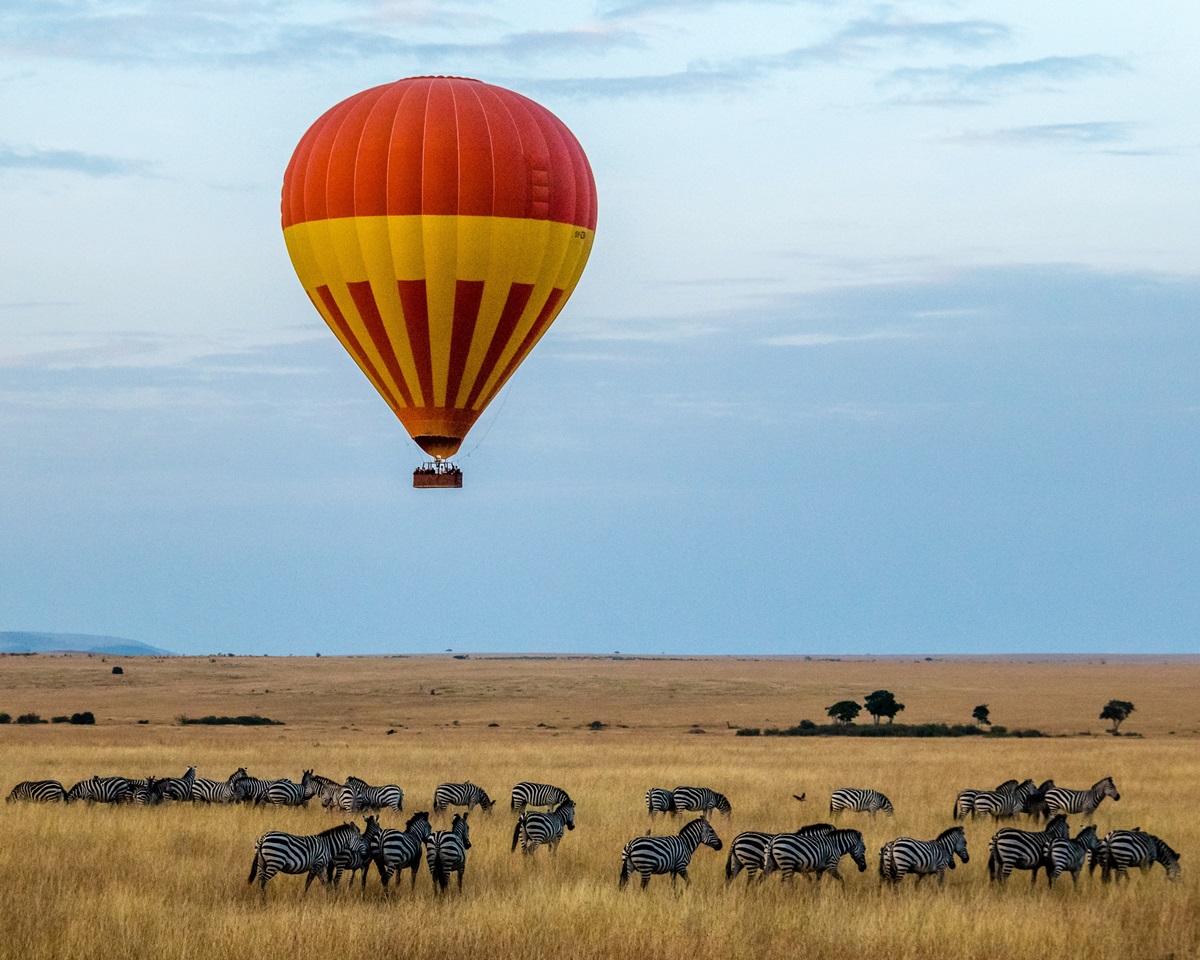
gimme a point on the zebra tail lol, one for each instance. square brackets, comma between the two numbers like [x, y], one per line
[625, 867]
[441, 876]
[517, 831]
[729, 864]
[254, 863]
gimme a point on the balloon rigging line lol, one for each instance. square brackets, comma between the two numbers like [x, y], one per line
[507, 390]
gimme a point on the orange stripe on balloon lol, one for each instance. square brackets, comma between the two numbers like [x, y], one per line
[368, 309]
[338, 320]
[414, 302]
[514, 307]
[544, 319]
[467, 296]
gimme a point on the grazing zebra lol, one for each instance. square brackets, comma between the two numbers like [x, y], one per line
[747, 851]
[1062, 854]
[277, 852]
[217, 791]
[39, 791]
[650, 855]
[1004, 803]
[446, 852]
[99, 790]
[285, 793]
[397, 850]
[1122, 849]
[177, 788]
[143, 792]
[537, 795]
[461, 795]
[815, 849]
[326, 789]
[252, 790]
[860, 801]
[535, 828]
[700, 799]
[357, 856]
[922, 857]
[385, 797]
[964, 803]
[659, 800]
[1063, 800]
[1012, 849]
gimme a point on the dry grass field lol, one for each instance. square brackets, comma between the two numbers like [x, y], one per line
[90, 882]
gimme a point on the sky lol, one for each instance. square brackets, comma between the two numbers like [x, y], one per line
[888, 342]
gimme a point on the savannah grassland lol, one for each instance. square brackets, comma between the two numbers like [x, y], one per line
[117, 883]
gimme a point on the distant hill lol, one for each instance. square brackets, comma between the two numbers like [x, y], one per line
[15, 641]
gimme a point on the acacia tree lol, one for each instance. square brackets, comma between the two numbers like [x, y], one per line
[844, 711]
[882, 703]
[980, 715]
[1116, 711]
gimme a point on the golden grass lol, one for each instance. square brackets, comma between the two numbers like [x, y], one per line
[84, 882]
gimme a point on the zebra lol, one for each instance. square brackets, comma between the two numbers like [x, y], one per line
[99, 790]
[670, 854]
[325, 788]
[922, 857]
[526, 794]
[217, 791]
[39, 791]
[385, 797]
[177, 788]
[815, 849]
[1005, 803]
[397, 850]
[535, 828]
[964, 803]
[659, 800]
[357, 856]
[700, 799]
[277, 852]
[446, 852]
[860, 801]
[1122, 849]
[143, 791]
[747, 851]
[343, 797]
[285, 793]
[252, 790]
[1064, 800]
[461, 795]
[1012, 849]
[1063, 854]
[1035, 803]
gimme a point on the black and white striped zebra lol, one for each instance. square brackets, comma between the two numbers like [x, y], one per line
[964, 803]
[176, 788]
[357, 856]
[143, 792]
[702, 800]
[815, 849]
[99, 790]
[217, 791]
[671, 854]
[658, 800]
[1122, 849]
[325, 789]
[314, 854]
[527, 794]
[748, 851]
[446, 852]
[37, 791]
[398, 850]
[1012, 849]
[253, 790]
[860, 800]
[1035, 803]
[1006, 802]
[1067, 855]
[387, 796]
[285, 793]
[1064, 800]
[464, 794]
[904, 855]
[535, 828]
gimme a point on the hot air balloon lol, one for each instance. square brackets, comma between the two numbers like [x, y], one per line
[438, 224]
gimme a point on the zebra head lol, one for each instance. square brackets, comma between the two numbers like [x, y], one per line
[702, 832]
[851, 842]
[372, 834]
[955, 840]
[460, 827]
[238, 774]
[566, 810]
[1108, 788]
[1168, 858]
[723, 805]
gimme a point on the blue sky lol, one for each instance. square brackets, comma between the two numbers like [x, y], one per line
[888, 342]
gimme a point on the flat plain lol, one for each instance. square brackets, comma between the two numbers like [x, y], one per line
[170, 881]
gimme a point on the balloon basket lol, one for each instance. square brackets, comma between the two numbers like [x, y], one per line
[437, 473]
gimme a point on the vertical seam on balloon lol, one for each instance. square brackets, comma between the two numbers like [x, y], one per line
[514, 307]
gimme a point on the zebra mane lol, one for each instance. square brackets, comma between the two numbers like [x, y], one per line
[1161, 848]
[423, 815]
[341, 828]
[815, 828]
[949, 832]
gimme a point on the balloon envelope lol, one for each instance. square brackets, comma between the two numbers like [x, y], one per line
[438, 225]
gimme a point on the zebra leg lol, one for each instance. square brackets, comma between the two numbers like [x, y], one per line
[645, 879]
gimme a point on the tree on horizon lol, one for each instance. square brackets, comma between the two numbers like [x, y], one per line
[1116, 711]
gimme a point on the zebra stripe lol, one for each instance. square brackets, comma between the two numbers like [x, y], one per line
[1064, 800]
[1007, 802]
[277, 852]
[385, 797]
[860, 800]
[535, 828]
[285, 793]
[964, 803]
[1062, 854]
[526, 794]
[446, 853]
[326, 789]
[253, 790]
[99, 790]
[1012, 849]
[651, 855]
[1122, 849]
[176, 788]
[356, 855]
[748, 851]
[924, 858]
[659, 800]
[217, 791]
[38, 791]
[815, 849]
[701, 799]
[460, 795]
[143, 792]
[397, 850]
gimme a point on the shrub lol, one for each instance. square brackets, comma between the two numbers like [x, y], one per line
[63, 719]
[252, 720]
[86, 718]
[5, 718]
[30, 718]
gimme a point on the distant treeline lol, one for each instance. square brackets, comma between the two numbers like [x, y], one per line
[253, 720]
[806, 728]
